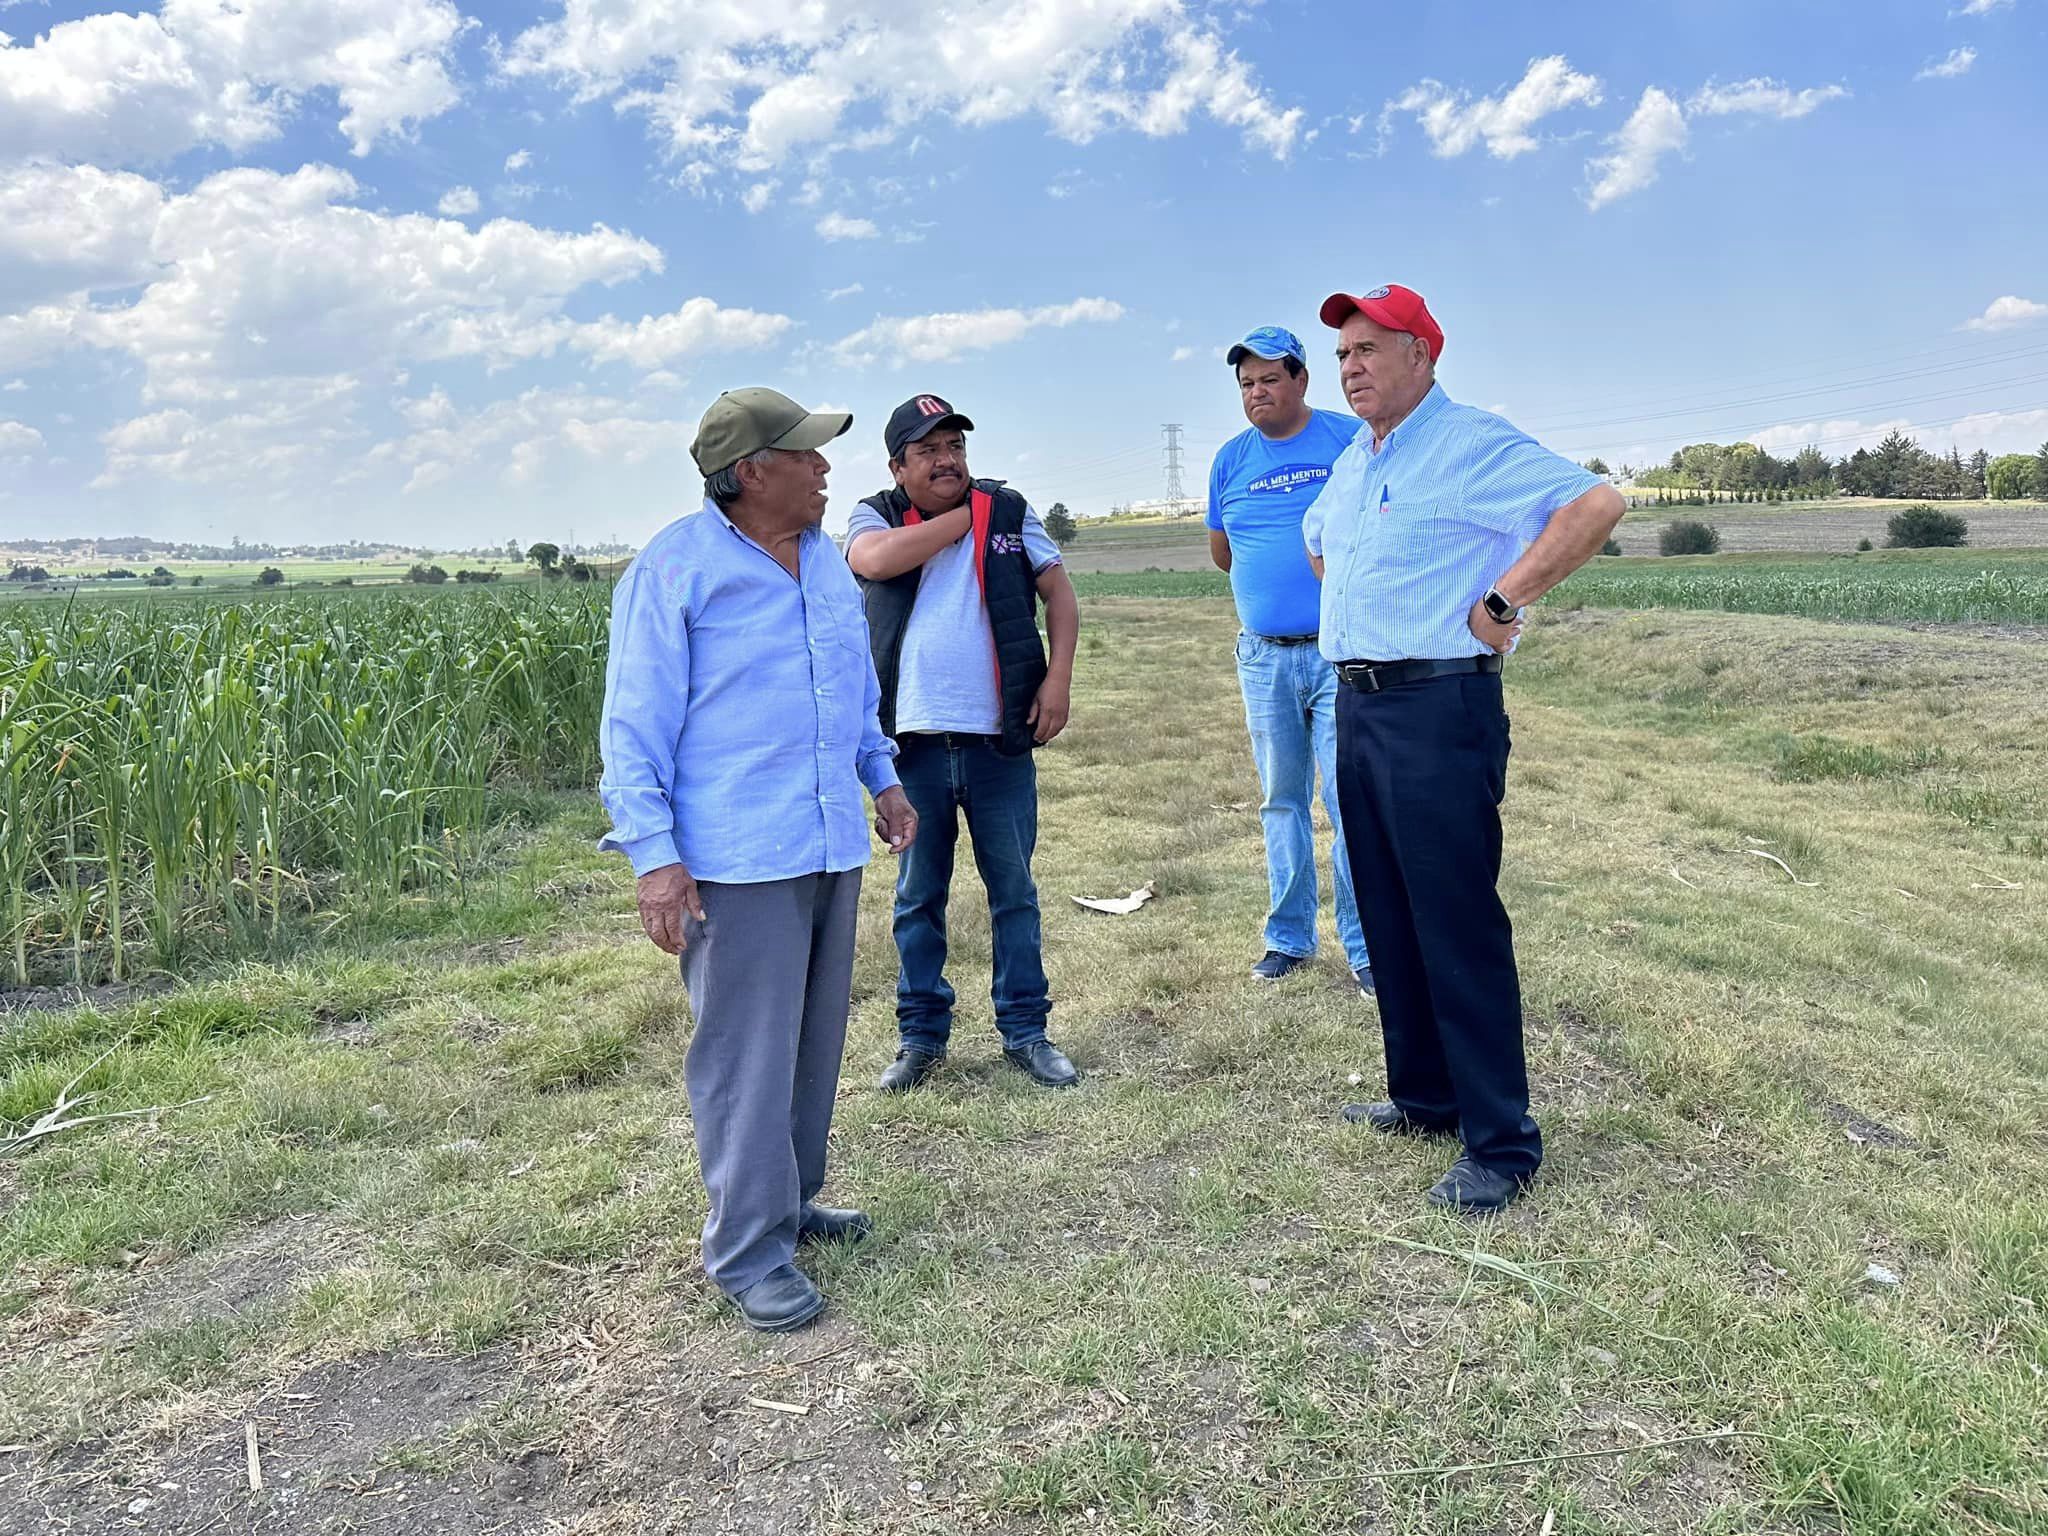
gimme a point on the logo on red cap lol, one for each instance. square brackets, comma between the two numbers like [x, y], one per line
[1378, 293]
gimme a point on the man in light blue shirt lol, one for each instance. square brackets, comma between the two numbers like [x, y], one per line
[1437, 526]
[739, 732]
[1260, 485]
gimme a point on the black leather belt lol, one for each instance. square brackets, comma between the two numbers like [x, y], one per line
[1372, 676]
[1284, 639]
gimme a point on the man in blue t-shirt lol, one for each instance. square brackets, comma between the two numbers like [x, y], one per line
[1261, 484]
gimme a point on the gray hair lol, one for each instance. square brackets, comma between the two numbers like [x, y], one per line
[723, 486]
[1408, 339]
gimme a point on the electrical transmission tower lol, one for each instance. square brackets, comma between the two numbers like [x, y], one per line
[1175, 491]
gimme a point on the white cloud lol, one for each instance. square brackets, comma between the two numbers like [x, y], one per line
[942, 337]
[1957, 63]
[843, 293]
[1763, 97]
[268, 298]
[14, 387]
[1982, 7]
[837, 226]
[130, 89]
[518, 161]
[1182, 354]
[526, 436]
[756, 197]
[1995, 432]
[754, 86]
[699, 326]
[2007, 313]
[459, 202]
[1456, 123]
[19, 441]
[1655, 129]
[72, 229]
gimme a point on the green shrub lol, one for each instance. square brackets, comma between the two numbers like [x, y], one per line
[1689, 538]
[1925, 527]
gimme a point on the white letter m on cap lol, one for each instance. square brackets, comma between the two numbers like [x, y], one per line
[930, 407]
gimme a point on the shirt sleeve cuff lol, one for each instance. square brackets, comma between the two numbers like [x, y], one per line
[654, 851]
[878, 773]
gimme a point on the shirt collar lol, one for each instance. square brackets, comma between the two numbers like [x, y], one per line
[1425, 408]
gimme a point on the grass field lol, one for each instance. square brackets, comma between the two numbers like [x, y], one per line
[422, 1226]
[1939, 585]
[1784, 529]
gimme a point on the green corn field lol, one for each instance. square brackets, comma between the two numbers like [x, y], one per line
[182, 779]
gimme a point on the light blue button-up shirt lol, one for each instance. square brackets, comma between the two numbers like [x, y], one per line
[739, 708]
[1412, 532]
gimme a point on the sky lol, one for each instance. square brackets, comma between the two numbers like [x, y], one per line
[447, 272]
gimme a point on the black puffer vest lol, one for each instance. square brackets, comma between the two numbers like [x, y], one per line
[1009, 593]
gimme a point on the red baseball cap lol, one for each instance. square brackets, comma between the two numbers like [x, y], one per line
[1395, 307]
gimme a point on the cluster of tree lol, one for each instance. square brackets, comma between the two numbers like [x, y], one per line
[1060, 524]
[1740, 467]
[2018, 476]
[554, 563]
[21, 572]
[432, 575]
[468, 577]
[1896, 467]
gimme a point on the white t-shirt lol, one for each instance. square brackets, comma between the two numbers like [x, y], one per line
[946, 680]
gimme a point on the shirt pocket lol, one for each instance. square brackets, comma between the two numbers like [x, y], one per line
[845, 617]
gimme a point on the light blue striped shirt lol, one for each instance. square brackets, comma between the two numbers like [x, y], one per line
[1412, 532]
[739, 708]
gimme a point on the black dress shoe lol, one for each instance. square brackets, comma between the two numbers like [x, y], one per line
[1391, 1120]
[910, 1068]
[781, 1300]
[823, 1224]
[1474, 1189]
[1046, 1064]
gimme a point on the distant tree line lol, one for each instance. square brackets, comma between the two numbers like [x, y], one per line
[1897, 468]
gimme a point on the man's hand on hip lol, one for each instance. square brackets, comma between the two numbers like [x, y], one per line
[1490, 632]
[1049, 710]
[895, 821]
[666, 895]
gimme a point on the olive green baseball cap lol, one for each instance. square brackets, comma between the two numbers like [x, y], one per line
[744, 421]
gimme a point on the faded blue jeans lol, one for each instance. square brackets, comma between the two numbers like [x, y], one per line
[944, 777]
[1290, 707]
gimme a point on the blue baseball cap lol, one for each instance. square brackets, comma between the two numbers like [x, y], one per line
[1270, 342]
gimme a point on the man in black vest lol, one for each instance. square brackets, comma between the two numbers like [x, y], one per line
[954, 569]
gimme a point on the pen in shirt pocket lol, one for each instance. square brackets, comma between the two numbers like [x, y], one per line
[1383, 501]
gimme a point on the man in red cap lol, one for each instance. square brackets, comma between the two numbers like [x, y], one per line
[1437, 527]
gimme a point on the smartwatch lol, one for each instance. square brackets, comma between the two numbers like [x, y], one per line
[1503, 611]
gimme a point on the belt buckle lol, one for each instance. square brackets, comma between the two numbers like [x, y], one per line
[1364, 678]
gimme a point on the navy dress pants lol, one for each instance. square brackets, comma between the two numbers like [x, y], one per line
[1421, 772]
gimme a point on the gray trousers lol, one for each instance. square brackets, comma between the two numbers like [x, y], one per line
[770, 974]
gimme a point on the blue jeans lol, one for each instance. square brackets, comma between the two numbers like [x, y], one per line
[1290, 706]
[942, 776]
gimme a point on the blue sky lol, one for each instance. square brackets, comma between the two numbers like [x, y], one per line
[448, 273]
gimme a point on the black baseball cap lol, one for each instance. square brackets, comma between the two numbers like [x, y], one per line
[914, 418]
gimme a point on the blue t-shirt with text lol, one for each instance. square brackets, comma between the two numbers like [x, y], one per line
[1259, 491]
